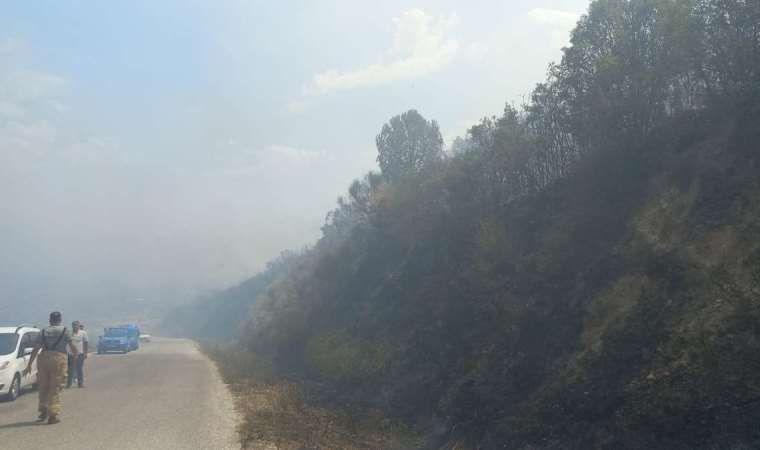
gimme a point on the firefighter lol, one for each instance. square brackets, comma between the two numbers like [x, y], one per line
[51, 367]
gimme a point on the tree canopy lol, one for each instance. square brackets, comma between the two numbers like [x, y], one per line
[407, 143]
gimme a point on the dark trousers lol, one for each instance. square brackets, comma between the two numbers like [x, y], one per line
[76, 369]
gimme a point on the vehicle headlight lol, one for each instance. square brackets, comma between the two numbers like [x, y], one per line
[5, 365]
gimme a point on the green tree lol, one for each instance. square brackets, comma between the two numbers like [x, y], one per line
[407, 143]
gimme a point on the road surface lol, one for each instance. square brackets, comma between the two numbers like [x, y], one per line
[164, 396]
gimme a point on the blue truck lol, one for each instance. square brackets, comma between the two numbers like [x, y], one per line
[133, 336]
[114, 339]
[120, 338]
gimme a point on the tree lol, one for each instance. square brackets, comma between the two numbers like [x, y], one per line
[407, 143]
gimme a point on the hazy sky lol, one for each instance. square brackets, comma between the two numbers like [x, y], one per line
[160, 148]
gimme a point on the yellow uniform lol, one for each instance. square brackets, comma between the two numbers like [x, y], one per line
[51, 373]
[51, 368]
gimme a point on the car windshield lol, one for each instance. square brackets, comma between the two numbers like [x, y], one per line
[8, 343]
[116, 332]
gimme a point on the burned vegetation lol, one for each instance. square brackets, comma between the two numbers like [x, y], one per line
[582, 271]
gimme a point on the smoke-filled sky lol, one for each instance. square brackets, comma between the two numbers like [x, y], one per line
[158, 149]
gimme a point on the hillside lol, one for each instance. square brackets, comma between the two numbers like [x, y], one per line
[583, 272]
[603, 307]
[217, 317]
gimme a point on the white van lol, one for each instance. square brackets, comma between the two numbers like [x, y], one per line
[16, 344]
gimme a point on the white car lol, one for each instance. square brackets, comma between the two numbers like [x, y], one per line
[16, 344]
[145, 338]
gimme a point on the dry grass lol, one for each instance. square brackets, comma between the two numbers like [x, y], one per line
[277, 416]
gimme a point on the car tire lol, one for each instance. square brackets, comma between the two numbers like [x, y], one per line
[15, 389]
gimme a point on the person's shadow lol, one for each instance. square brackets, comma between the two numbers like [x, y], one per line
[32, 423]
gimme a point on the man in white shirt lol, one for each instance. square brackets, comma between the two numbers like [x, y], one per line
[76, 362]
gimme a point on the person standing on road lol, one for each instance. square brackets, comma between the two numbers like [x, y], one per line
[51, 368]
[76, 362]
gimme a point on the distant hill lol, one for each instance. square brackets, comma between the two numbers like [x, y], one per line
[218, 317]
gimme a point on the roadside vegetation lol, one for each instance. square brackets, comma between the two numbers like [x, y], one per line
[281, 414]
[582, 271]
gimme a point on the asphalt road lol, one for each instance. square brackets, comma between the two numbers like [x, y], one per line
[166, 395]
